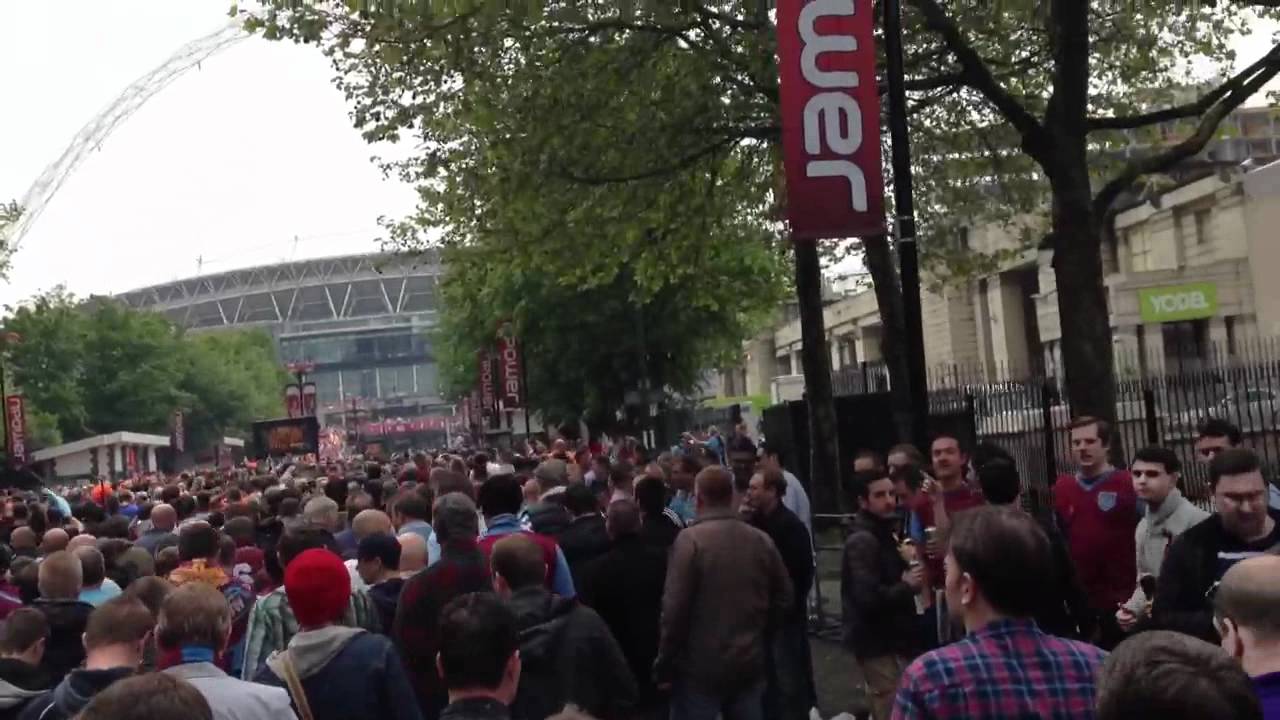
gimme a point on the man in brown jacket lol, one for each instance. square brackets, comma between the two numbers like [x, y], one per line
[726, 585]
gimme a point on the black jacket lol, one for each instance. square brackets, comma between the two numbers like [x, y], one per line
[795, 546]
[582, 540]
[625, 587]
[1066, 611]
[20, 683]
[658, 531]
[386, 598]
[878, 608]
[548, 517]
[568, 655]
[1191, 568]
[72, 694]
[64, 650]
[476, 709]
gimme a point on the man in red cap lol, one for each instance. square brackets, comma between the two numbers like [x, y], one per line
[335, 672]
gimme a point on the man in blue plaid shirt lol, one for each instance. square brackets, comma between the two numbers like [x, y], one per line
[998, 570]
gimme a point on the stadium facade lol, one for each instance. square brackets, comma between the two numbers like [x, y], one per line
[363, 321]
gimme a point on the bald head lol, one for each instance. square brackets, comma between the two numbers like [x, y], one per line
[370, 522]
[164, 517]
[413, 553]
[1249, 595]
[714, 487]
[54, 540]
[23, 538]
[80, 541]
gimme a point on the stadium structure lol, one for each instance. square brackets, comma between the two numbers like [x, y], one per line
[361, 321]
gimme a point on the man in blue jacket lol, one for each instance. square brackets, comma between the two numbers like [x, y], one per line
[337, 672]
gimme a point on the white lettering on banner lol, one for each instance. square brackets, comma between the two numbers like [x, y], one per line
[1177, 302]
[833, 116]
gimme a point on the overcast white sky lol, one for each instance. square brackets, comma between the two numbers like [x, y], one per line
[229, 163]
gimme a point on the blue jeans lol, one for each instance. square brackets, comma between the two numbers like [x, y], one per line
[689, 703]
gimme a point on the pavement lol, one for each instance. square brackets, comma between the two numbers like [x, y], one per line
[838, 679]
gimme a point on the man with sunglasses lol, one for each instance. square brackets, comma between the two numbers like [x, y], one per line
[1155, 480]
[1241, 527]
[1215, 435]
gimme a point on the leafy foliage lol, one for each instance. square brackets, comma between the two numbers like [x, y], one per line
[622, 135]
[94, 367]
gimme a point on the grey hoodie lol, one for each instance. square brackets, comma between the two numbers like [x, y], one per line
[1155, 533]
[313, 649]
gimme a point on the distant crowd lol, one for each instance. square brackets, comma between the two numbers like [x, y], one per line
[579, 581]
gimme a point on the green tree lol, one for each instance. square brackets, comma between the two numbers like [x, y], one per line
[46, 362]
[93, 367]
[542, 125]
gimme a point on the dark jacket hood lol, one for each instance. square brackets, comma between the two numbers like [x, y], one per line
[77, 689]
[540, 617]
[19, 682]
[64, 613]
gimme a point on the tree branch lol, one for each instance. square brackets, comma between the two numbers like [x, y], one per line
[978, 76]
[648, 174]
[1204, 133]
[1191, 109]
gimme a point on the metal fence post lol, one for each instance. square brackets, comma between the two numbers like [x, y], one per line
[1050, 442]
[1149, 414]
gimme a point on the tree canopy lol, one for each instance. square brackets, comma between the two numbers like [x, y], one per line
[95, 367]
[560, 129]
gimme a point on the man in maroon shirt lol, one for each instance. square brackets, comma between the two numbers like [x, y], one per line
[1097, 510]
[940, 499]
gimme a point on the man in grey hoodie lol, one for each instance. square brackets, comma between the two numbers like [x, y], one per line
[1169, 514]
[114, 640]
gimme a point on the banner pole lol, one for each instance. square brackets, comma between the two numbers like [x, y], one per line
[904, 209]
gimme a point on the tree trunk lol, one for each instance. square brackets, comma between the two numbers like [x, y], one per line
[824, 474]
[893, 340]
[1082, 302]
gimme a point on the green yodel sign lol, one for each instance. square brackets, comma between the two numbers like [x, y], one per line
[1172, 303]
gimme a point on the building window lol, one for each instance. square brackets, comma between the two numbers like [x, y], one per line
[784, 364]
[1202, 226]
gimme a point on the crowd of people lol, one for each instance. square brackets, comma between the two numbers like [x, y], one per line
[574, 582]
[1122, 600]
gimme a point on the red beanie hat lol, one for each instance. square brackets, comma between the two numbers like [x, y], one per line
[318, 587]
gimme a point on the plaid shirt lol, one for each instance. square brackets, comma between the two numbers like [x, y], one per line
[272, 625]
[462, 569]
[1008, 670]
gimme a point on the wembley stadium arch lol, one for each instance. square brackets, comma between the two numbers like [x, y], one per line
[362, 321]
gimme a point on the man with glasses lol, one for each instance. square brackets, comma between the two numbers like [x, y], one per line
[1215, 435]
[1241, 527]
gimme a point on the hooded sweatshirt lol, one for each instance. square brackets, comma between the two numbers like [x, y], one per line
[568, 655]
[347, 674]
[1155, 533]
[20, 682]
[73, 693]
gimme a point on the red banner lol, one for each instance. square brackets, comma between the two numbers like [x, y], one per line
[512, 390]
[830, 118]
[488, 400]
[293, 400]
[177, 433]
[308, 399]
[15, 422]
